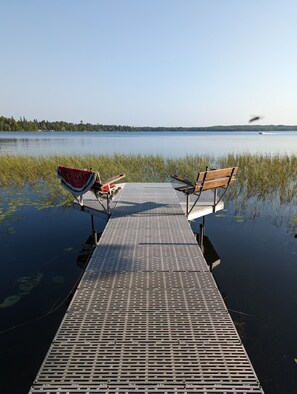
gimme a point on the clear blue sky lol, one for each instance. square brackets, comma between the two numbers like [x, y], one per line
[149, 62]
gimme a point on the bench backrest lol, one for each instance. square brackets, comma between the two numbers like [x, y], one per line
[213, 179]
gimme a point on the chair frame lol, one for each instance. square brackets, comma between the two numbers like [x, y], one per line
[96, 188]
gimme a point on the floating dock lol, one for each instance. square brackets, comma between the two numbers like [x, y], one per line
[147, 316]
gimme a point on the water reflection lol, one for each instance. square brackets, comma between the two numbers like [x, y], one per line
[87, 250]
[210, 254]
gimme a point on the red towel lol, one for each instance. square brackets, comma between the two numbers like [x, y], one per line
[75, 180]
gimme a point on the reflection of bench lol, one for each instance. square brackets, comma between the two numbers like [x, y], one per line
[78, 182]
[206, 180]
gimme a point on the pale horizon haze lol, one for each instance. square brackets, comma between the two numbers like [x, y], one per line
[174, 63]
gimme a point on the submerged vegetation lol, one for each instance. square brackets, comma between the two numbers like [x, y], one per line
[262, 179]
[25, 285]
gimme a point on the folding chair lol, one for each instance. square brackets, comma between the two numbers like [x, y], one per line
[78, 182]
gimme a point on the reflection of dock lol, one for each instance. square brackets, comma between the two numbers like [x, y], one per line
[210, 254]
[147, 316]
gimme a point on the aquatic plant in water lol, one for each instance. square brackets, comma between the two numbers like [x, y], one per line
[58, 279]
[26, 284]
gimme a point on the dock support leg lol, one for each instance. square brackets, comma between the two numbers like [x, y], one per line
[93, 230]
[201, 234]
[107, 204]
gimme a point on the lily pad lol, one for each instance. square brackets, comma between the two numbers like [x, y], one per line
[22, 293]
[11, 230]
[68, 249]
[10, 300]
[239, 219]
[27, 283]
[37, 278]
[26, 286]
[23, 279]
[58, 279]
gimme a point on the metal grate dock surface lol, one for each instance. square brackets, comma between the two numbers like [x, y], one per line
[147, 316]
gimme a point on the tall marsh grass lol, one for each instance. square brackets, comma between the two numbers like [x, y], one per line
[263, 175]
[260, 177]
[22, 170]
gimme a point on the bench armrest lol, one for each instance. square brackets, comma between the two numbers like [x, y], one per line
[114, 179]
[186, 181]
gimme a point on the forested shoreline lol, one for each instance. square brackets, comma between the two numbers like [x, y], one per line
[23, 124]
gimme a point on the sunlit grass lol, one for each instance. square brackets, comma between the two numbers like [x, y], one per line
[22, 170]
[261, 177]
[264, 175]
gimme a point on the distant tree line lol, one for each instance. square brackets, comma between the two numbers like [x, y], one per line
[10, 124]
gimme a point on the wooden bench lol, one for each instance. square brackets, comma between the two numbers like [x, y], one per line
[206, 180]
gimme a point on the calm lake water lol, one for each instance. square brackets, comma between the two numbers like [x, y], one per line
[176, 144]
[40, 251]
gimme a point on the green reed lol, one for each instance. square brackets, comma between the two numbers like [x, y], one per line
[260, 177]
[263, 175]
[22, 170]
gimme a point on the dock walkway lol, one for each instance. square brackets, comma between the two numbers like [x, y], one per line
[147, 316]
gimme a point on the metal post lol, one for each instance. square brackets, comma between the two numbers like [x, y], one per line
[108, 203]
[214, 199]
[201, 234]
[93, 230]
